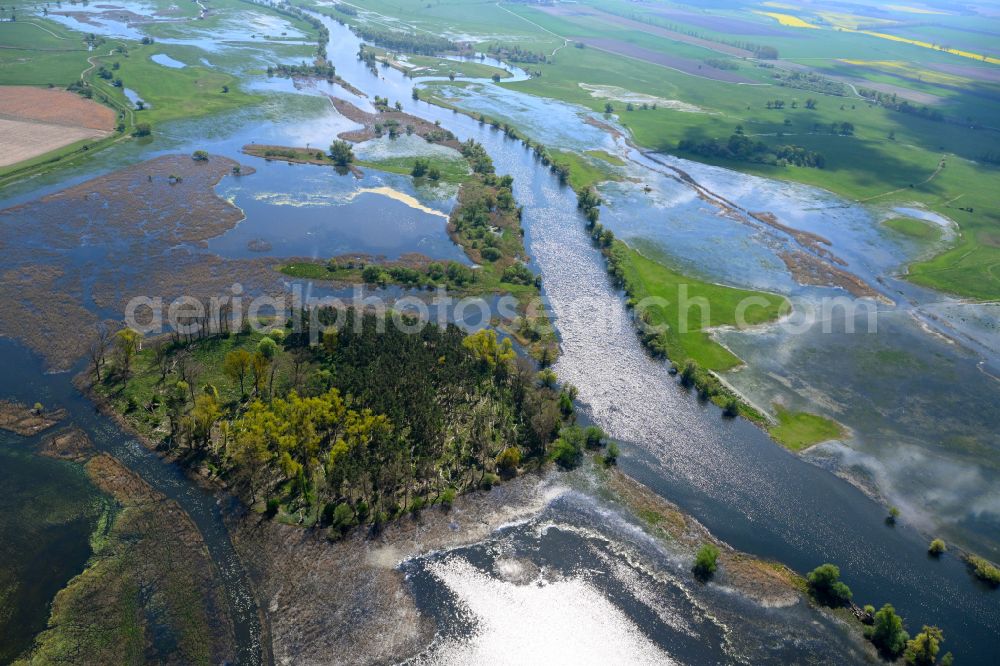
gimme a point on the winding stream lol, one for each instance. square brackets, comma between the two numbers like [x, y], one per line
[726, 473]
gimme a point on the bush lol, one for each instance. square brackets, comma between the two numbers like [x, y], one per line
[199, 156]
[893, 515]
[706, 562]
[568, 448]
[447, 498]
[272, 507]
[491, 253]
[594, 437]
[611, 455]
[509, 460]
[825, 585]
[489, 480]
[937, 547]
[984, 570]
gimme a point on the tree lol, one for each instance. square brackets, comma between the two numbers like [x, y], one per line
[611, 455]
[204, 415]
[98, 349]
[893, 515]
[508, 461]
[488, 350]
[887, 632]
[142, 129]
[608, 107]
[568, 449]
[199, 156]
[236, 366]
[825, 584]
[127, 345]
[705, 562]
[923, 649]
[937, 547]
[341, 153]
[420, 167]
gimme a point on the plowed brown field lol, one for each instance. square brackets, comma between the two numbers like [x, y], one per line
[34, 121]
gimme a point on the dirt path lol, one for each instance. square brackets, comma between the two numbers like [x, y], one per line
[939, 169]
[555, 50]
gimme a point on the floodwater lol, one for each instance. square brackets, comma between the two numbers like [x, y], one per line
[48, 510]
[726, 473]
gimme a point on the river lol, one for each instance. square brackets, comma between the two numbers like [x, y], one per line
[726, 473]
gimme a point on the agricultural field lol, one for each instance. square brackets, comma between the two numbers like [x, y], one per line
[35, 121]
[124, 70]
[888, 154]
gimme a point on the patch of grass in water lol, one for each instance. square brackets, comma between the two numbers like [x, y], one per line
[451, 170]
[914, 228]
[583, 172]
[686, 336]
[800, 430]
[606, 157]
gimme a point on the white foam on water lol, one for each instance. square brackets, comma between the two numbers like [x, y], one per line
[563, 622]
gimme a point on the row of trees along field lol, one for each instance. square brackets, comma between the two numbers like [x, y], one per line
[373, 422]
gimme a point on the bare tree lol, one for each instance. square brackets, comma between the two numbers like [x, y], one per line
[98, 349]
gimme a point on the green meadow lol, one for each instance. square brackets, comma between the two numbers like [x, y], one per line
[687, 308]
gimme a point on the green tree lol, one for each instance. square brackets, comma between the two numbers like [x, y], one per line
[127, 345]
[236, 366]
[489, 350]
[341, 153]
[420, 167]
[508, 461]
[923, 649]
[825, 584]
[706, 561]
[937, 547]
[887, 633]
[204, 415]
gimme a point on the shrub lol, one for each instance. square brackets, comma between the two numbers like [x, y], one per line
[272, 507]
[893, 515]
[509, 460]
[826, 586]
[611, 456]
[489, 480]
[491, 253]
[568, 448]
[706, 561]
[984, 570]
[199, 156]
[937, 547]
[447, 498]
[594, 437]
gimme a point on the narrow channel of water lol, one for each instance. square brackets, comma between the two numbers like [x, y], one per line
[24, 380]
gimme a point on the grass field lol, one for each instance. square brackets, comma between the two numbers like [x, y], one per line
[687, 334]
[800, 430]
[914, 228]
[586, 171]
[890, 156]
[41, 52]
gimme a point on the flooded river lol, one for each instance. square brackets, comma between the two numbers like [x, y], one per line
[727, 473]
